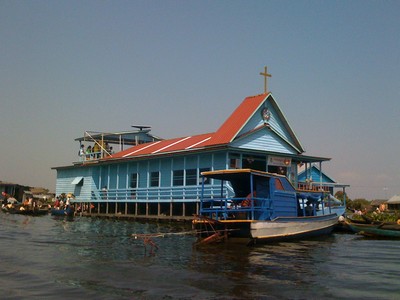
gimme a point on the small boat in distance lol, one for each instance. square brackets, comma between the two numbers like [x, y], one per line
[380, 230]
[21, 210]
[68, 211]
[256, 206]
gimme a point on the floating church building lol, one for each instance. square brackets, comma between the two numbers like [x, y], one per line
[148, 177]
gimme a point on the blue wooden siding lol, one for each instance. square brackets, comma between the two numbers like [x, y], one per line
[277, 124]
[112, 180]
[205, 160]
[83, 190]
[284, 204]
[264, 140]
[142, 171]
[166, 172]
[122, 176]
[220, 161]
[116, 178]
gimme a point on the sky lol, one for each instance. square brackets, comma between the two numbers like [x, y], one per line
[182, 67]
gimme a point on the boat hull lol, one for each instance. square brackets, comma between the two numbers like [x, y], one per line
[62, 212]
[373, 230]
[25, 211]
[293, 228]
[279, 229]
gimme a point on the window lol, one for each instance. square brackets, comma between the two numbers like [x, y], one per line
[191, 177]
[133, 184]
[234, 161]
[177, 178]
[134, 181]
[154, 179]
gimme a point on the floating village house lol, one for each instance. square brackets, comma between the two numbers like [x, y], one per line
[148, 177]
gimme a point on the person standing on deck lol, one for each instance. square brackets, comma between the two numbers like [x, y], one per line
[82, 153]
[88, 152]
[104, 193]
[96, 150]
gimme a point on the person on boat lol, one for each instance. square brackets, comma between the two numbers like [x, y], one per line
[309, 183]
[88, 152]
[309, 209]
[81, 152]
[96, 150]
[249, 201]
[107, 147]
[34, 204]
[27, 204]
[5, 197]
[57, 203]
[104, 193]
[68, 202]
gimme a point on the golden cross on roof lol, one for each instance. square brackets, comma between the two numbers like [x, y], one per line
[265, 74]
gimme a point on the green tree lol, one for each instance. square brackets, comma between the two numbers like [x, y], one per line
[359, 204]
[340, 196]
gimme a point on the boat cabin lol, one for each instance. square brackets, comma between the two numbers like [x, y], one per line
[257, 195]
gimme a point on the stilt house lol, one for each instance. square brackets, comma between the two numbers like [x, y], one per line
[155, 178]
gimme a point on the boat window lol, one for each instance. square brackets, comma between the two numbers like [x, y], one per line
[241, 188]
[262, 187]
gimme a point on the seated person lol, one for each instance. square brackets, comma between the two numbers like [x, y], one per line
[309, 209]
[249, 201]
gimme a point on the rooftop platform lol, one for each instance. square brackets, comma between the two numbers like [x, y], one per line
[103, 144]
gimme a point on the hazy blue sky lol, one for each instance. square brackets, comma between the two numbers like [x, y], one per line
[184, 66]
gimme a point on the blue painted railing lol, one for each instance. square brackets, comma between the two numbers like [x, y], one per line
[230, 208]
[159, 194]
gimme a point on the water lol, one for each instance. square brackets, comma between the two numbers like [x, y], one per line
[48, 258]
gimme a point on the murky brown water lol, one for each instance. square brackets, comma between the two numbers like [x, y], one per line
[43, 257]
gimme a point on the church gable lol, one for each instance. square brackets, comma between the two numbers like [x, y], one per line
[264, 139]
[269, 115]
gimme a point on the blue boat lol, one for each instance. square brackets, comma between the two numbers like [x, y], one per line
[69, 211]
[256, 206]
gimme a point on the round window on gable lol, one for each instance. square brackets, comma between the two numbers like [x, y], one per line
[265, 114]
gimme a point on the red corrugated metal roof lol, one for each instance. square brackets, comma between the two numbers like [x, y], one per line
[165, 146]
[224, 135]
[228, 131]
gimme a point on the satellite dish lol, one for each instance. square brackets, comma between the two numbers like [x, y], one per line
[140, 127]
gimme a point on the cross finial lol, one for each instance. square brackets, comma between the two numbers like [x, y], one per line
[265, 74]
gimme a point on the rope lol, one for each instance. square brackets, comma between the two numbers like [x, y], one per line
[160, 234]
